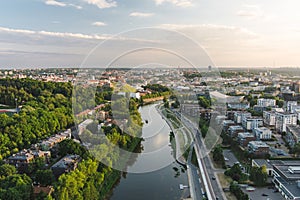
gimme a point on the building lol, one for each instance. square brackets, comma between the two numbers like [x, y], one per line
[292, 135]
[263, 133]
[65, 165]
[47, 191]
[21, 159]
[238, 106]
[244, 138]
[82, 126]
[290, 105]
[266, 102]
[47, 144]
[239, 116]
[251, 123]
[263, 162]
[269, 118]
[190, 109]
[284, 119]
[287, 179]
[258, 148]
[227, 123]
[296, 87]
[234, 130]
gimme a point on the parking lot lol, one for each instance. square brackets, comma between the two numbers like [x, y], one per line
[230, 156]
[258, 194]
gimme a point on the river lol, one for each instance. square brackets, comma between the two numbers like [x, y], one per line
[162, 175]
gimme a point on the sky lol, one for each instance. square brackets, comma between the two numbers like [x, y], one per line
[232, 33]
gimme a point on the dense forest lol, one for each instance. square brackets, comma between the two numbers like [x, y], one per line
[46, 108]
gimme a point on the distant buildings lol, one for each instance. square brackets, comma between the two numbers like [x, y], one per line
[239, 116]
[266, 102]
[258, 148]
[65, 165]
[244, 138]
[234, 130]
[263, 133]
[22, 159]
[284, 119]
[251, 123]
[292, 135]
[269, 118]
[40, 150]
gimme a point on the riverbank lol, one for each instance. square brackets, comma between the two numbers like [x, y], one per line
[160, 183]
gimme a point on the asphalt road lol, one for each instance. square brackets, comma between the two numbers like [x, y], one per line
[216, 190]
[195, 182]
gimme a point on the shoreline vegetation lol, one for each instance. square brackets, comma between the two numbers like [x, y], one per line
[46, 110]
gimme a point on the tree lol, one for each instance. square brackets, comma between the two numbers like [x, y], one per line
[236, 190]
[204, 102]
[259, 175]
[17, 187]
[296, 149]
[218, 155]
[7, 170]
[44, 177]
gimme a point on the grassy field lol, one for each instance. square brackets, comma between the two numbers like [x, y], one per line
[225, 183]
[123, 88]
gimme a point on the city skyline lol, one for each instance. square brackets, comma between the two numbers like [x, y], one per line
[48, 33]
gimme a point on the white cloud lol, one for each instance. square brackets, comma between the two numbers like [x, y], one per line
[102, 3]
[9, 30]
[179, 3]
[251, 12]
[61, 4]
[141, 14]
[22, 32]
[75, 6]
[55, 3]
[99, 24]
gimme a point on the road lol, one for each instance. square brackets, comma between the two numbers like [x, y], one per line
[195, 182]
[212, 185]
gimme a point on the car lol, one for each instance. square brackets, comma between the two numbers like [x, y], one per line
[213, 178]
[226, 159]
[265, 195]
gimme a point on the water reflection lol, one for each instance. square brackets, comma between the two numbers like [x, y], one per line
[160, 184]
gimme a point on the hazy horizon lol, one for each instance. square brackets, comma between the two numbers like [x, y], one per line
[58, 33]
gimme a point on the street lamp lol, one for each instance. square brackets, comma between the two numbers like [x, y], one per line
[16, 100]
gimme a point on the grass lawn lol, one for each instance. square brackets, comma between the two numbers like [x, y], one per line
[225, 183]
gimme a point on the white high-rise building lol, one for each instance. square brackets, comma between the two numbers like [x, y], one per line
[284, 119]
[266, 102]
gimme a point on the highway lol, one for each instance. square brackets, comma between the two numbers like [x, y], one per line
[212, 188]
[195, 182]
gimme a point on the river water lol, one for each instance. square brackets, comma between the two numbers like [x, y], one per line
[158, 174]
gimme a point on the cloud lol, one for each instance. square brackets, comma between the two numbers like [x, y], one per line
[99, 24]
[55, 3]
[102, 3]
[179, 3]
[251, 12]
[225, 44]
[61, 4]
[141, 14]
[75, 6]
[39, 34]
